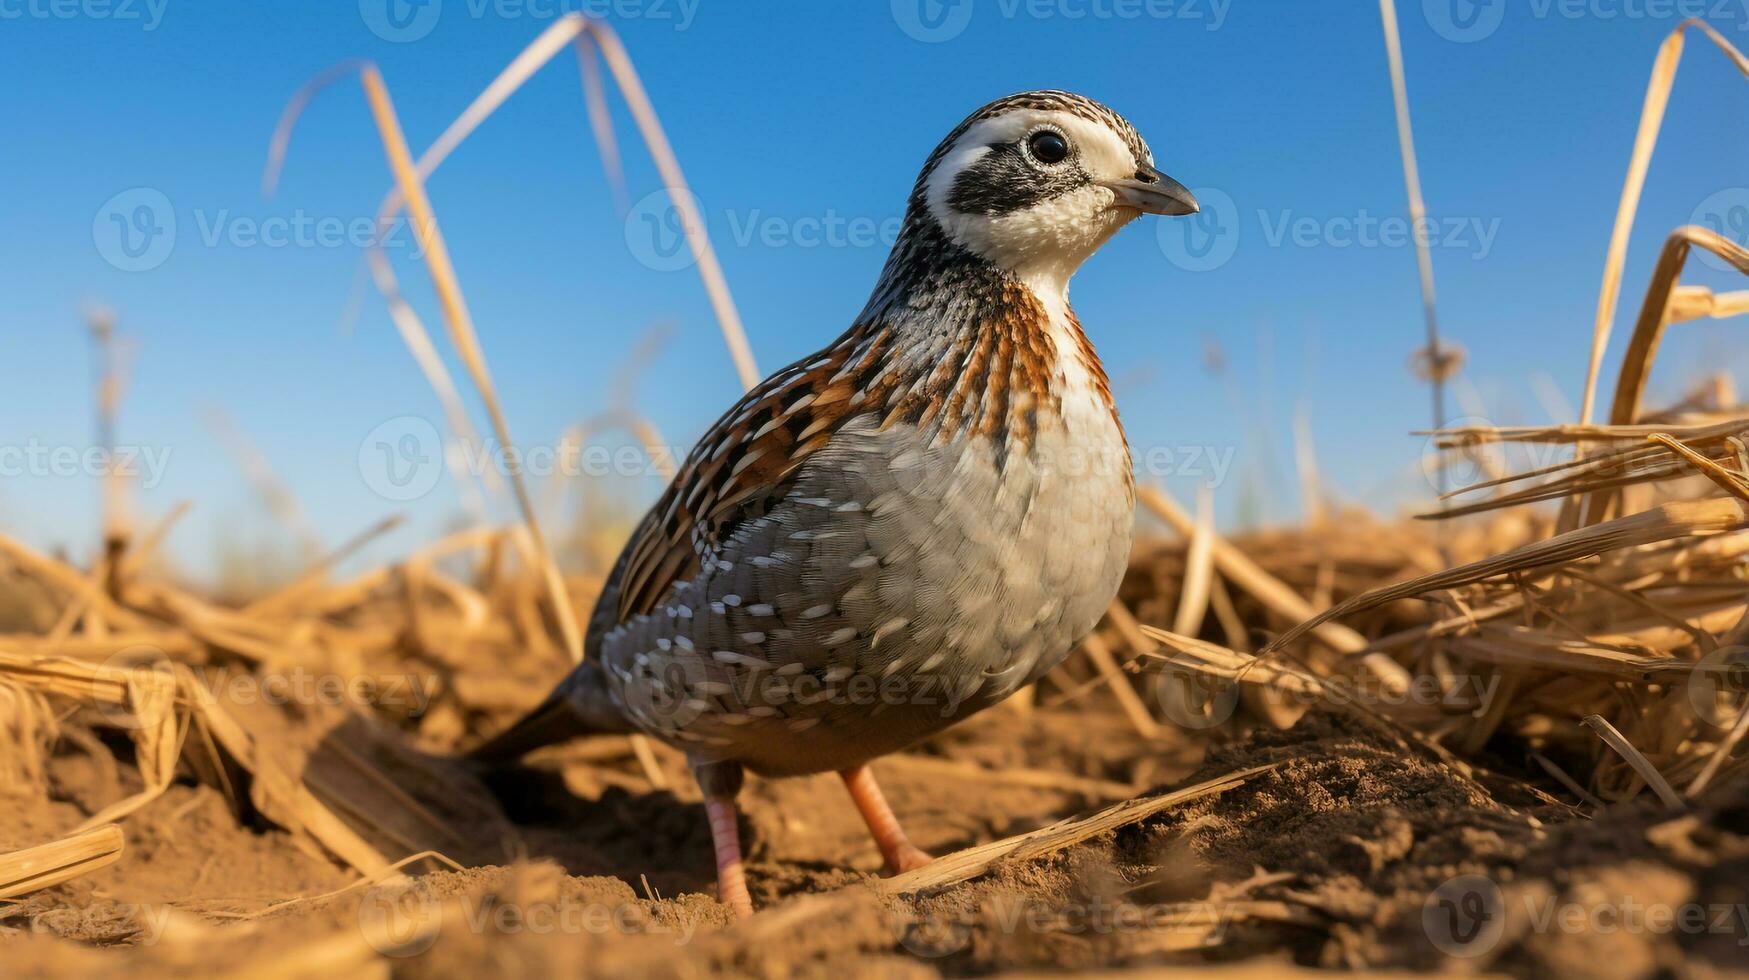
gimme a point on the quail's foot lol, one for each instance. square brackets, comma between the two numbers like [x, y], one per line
[725, 837]
[899, 853]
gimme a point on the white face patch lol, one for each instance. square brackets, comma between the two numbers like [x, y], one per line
[1046, 242]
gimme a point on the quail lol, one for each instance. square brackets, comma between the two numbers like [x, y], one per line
[905, 527]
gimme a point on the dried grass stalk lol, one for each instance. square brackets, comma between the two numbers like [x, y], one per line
[1676, 519]
[1645, 140]
[964, 865]
[27, 728]
[1635, 758]
[47, 865]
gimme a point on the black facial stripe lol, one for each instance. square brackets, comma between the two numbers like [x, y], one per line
[1004, 181]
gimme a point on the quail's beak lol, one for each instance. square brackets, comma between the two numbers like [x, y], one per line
[1152, 192]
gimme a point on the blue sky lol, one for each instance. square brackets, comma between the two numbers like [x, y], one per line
[800, 127]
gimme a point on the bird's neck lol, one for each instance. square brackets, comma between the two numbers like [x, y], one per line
[973, 348]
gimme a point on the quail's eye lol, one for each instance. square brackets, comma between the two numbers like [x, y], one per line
[1048, 147]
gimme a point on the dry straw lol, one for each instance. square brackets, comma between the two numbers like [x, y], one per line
[1645, 140]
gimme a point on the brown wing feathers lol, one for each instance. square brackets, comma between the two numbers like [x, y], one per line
[741, 465]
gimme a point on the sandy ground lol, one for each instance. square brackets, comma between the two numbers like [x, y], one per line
[1338, 857]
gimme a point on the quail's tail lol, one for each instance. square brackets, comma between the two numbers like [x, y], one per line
[579, 706]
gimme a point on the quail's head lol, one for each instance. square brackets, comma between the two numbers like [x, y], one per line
[1034, 183]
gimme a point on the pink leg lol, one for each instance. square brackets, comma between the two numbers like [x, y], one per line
[731, 876]
[900, 854]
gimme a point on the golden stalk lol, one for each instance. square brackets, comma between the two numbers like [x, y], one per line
[1645, 140]
[461, 330]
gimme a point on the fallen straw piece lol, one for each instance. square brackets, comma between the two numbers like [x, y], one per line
[47, 865]
[1613, 738]
[965, 865]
